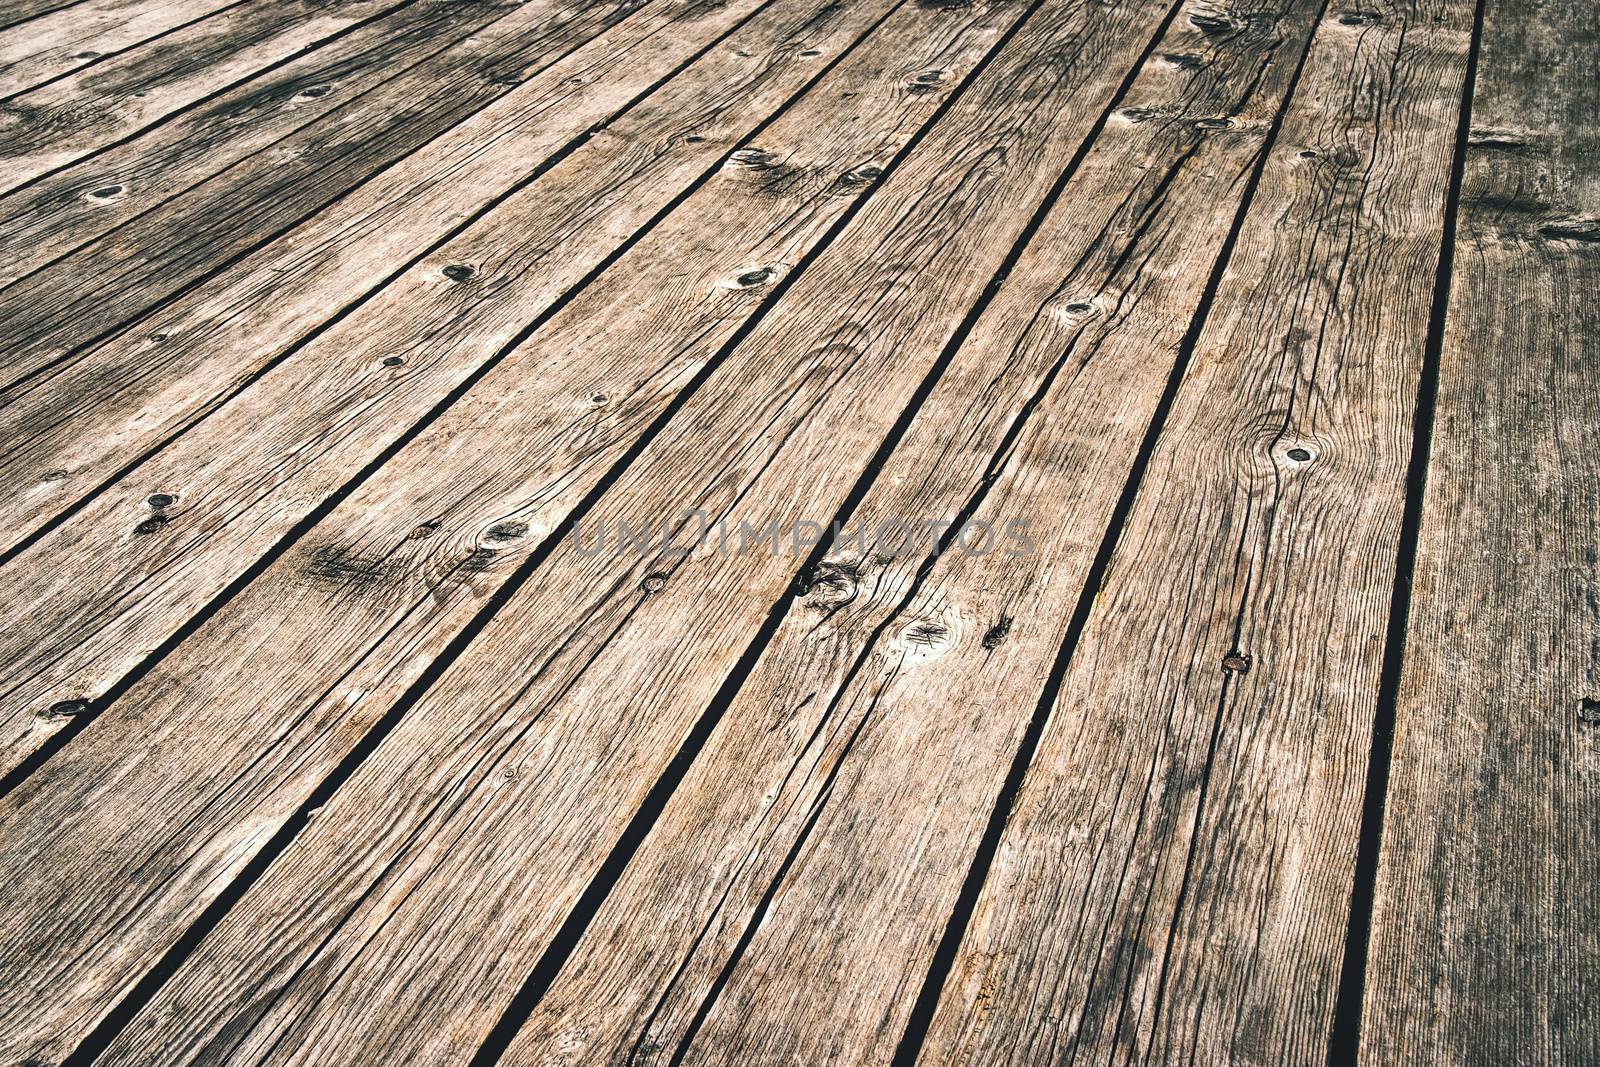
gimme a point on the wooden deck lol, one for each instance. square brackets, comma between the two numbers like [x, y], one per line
[799, 531]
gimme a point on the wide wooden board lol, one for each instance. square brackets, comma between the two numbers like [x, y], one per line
[242, 480]
[795, 389]
[45, 216]
[70, 118]
[786, 904]
[1485, 937]
[749, 222]
[48, 315]
[59, 42]
[1174, 878]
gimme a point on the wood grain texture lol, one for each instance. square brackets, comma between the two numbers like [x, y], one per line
[15, 12]
[47, 218]
[1484, 945]
[49, 314]
[1174, 877]
[391, 626]
[244, 478]
[524, 842]
[786, 904]
[59, 123]
[60, 42]
[103, 412]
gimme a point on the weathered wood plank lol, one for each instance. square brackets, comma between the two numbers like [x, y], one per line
[243, 479]
[748, 222]
[44, 219]
[1484, 945]
[49, 313]
[14, 12]
[63, 41]
[792, 415]
[59, 123]
[1174, 877]
[785, 906]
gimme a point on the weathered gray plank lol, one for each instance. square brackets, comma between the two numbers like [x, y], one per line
[1485, 944]
[785, 423]
[63, 41]
[242, 479]
[785, 906]
[1174, 877]
[56, 124]
[748, 221]
[50, 313]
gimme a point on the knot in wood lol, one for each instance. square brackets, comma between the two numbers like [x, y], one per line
[831, 584]
[509, 530]
[1213, 25]
[926, 633]
[997, 633]
[65, 709]
[752, 159]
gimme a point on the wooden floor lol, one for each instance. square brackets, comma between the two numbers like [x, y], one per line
[799, 531]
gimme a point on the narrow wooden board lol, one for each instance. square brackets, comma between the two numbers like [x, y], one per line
[748, 220]
[243, 479]
[162, 252]
[1485, 944]
[63, 41]
[20, 11]
[1174, 877]
[787, 421]
[785, 906]
[44, 217]
[62, 122]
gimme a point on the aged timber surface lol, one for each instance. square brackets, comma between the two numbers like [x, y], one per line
[428, 637]
[1486, 926]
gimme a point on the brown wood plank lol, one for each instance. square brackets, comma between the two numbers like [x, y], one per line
[44, 219]
[59, 123]
[786, 905]
[1484, 945]
[898, 281]
[1173, 880]
[49, 314]
[857, 117]
[15, 12]
[99, 414]
[243, 479]
[63, 41]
